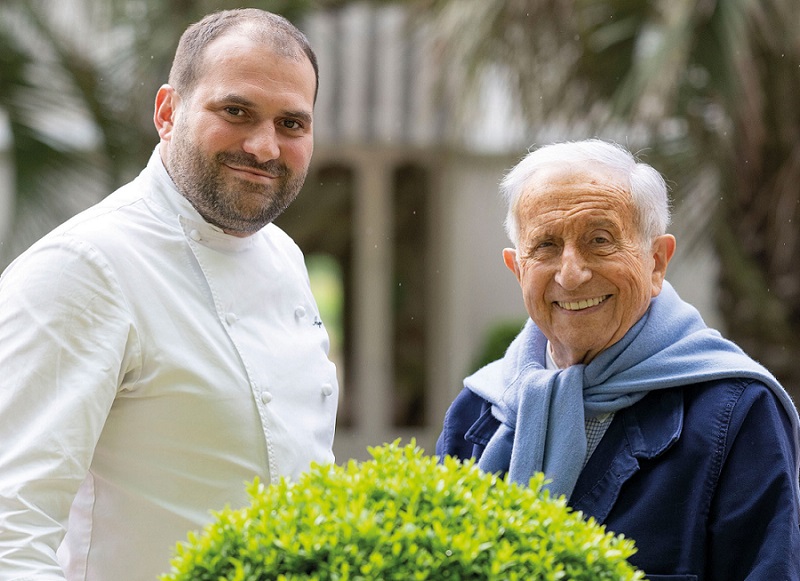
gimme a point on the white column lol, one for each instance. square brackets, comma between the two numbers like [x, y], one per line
[373, 373]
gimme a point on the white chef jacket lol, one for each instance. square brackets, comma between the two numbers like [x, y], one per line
[150, 365]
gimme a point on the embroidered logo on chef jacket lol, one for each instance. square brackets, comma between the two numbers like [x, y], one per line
[300, 313]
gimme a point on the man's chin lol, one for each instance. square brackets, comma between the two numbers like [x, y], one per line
[240, 227]
[251, 220]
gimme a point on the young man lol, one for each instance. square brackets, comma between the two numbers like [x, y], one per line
[160, 349]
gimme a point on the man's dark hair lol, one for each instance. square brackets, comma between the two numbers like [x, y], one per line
[262, 26]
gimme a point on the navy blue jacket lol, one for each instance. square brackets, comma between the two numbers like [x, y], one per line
[700, 477]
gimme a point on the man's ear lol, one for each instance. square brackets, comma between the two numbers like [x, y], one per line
[164, 115]
[662, 250]
[510, 259]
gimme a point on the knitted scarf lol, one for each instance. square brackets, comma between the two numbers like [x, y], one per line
[542, 412]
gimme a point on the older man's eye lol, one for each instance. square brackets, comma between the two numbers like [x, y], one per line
[600, 238]
[541, 250]
[234, 111]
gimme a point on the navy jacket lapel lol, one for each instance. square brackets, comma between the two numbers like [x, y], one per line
[637, 433]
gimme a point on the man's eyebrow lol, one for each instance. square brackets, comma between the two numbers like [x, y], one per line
[236, 99]
[603, 223]
[303, 116]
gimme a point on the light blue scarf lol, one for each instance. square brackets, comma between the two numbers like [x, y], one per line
[542, 411]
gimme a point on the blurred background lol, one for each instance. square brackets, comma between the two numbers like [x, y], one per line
[423, 106]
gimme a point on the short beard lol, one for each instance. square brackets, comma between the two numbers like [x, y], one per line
[222, 202]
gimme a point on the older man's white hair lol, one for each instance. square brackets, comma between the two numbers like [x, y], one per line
[646, 186]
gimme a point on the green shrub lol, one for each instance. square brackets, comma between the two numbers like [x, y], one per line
[401, 516]
[496, 341]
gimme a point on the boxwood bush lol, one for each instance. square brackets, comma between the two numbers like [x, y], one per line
[401, 516]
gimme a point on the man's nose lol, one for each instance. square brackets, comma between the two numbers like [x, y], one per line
[574, 270]
[263, 143]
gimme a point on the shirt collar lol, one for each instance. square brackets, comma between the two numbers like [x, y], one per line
[549, 362]
[166, 196]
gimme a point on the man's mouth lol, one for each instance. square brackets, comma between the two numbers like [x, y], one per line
[252, 171]
[269, 170]
[580, 305]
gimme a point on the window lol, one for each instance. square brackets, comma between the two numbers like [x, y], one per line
[411, 193]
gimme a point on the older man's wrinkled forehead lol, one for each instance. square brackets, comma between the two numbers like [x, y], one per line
[566, 190]
[569, 179]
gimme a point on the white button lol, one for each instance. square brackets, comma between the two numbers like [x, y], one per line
[194, 235]
[300, 312]
[266, 397]
[327, 389]
[231, 318]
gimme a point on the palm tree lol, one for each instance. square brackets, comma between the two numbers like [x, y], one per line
[713, 83]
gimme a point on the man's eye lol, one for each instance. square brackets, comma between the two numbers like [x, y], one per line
[601, 238]
[291, 124]
[540, 250]
[234, 111]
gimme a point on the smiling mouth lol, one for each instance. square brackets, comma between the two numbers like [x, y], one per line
[580, 305]
[253, 172]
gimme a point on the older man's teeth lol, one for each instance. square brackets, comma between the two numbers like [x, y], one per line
[580, 305]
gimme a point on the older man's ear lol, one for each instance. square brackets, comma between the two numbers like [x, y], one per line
[510, 259]
[662, 251]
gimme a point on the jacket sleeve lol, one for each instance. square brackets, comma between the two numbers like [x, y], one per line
[63, 335]
[754, 526]
[468, 425]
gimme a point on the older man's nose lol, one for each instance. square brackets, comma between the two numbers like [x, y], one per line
[573, 271]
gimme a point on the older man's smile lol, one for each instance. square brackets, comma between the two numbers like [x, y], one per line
[582, 304]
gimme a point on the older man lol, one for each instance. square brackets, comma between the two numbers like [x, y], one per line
[163, 347]
[643, 417]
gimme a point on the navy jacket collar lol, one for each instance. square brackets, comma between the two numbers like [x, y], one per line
[637, 433]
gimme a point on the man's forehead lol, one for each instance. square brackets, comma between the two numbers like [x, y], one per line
[563, 185]
[575, 199]
[577, 218]
[556, 199]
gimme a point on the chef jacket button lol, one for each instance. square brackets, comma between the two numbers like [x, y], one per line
[231, 318]
[300, 312]
[194, 235]
[327, 389]
[266, 397]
